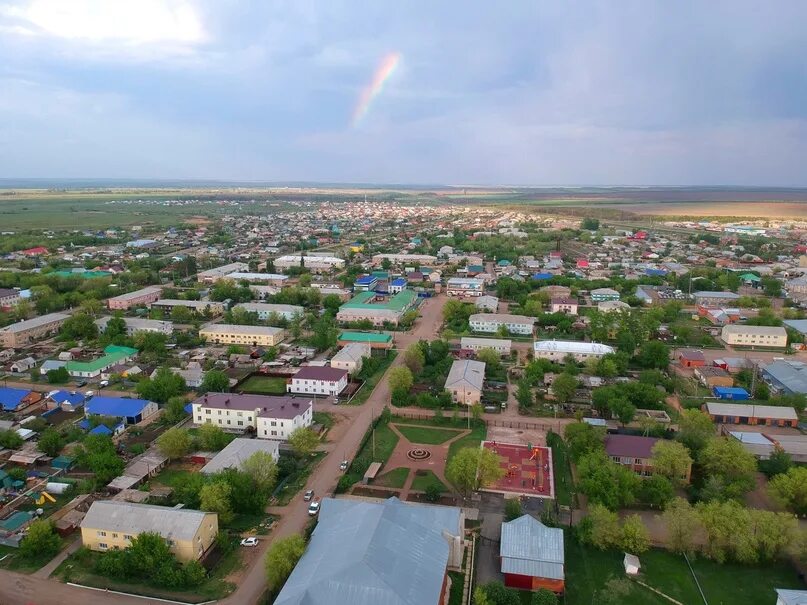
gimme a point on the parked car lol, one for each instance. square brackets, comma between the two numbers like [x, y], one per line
[249, 542]
[343, 466]
[103, 383]
[81, 383]
[313, 508]
[308, 495]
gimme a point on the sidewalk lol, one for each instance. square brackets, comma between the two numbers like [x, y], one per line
[44, 572]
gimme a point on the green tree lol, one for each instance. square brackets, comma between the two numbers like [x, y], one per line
[635, 538]
[524, 394]
[97, 453]
[262, 468]
[174, 410]
[790, 489]
[58, 376]
[672, 460]
[583, 439]
[653, 354]
[682, 524]
[400, 379]
[215, 381]
[591, 224]
[303, 441]
[162, 387]
[211, 438]
[481, 597]
[115, 329]
[777, 463]
[40, 541]
[600, 527]
[78, 326]
[656, 491]
[623, 409]
[695, 428]
[181, 315]
[544, 597]
[281, 558]
[414, 358]
[50, 442]
[472, 468]
[215, 498]
[606, 482]
[175, 443]
[512, 509]
[563, 387]
[727, 460]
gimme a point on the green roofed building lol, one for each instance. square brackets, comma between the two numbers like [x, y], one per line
[377, 309]
[751, 278]
[83, 274]
[376, 340]
[113, 355]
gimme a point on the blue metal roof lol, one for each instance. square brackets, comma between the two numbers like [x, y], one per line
[730, 391]
[116, 406]
[11, 398]
[367, 279]
[101, 430]
[399, 282]
[72, 398]
[530, 548]
[543, 275]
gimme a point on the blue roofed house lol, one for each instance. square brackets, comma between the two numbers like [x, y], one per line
[377, 553]
[68, 401]
[131, 410]
[14, 400]
[734, 393]
[396, 285]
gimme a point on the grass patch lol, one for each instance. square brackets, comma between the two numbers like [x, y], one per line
[171, 476]
[424, 479]
[264, 385]
[457, 585]
[323, 418]
[564, 483]
[385, 442]
[12, 560]
[296, 480]
[473, 439]
[426, 435]
[394, 478]
[370, 384]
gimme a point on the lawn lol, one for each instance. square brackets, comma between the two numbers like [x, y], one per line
[385, 442]
[171, 476]
[323, 418]
[477, 435]
[457, 586]
[588, 570]
[426, 435]
[10, 559]
[264, 385]
[394, 478]
[370, 384]
[425, 479]
[564, 483]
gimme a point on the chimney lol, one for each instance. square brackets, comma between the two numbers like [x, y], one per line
[227, 401]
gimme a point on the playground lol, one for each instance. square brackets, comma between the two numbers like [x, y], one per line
[528, 470]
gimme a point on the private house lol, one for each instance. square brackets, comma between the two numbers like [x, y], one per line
[532, 555]
[754, 336]
[238, 451]
[269, 416]
[557, 350]
[351, 357]
[743, 413]
[604, 294]
[465, 381]
[266, 310]
[132, 411]
[691, 358]
[69, 401]
[372, 553]
[564, 304]
[231, 334]
[486, 303]
[376, 340]
[501, 345]
[139, 324]
[15, 400]
[138, 298]
[317, 380]
[711, 376]
[110, 525]
[22, 365]
[113, 355]
[25, 332]
[378, 310]
[491, 323]
[465, 286]
[397, 285]
[635, 452]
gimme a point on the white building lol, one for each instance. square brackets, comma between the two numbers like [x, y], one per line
[269, 416]
[465, 381]
[265, 310]
[465, 286]
[237, 452]
[754, 336]
[138, 324]
[557, 350]
[210, 276]
[500, 345]
[490, 323]
[351, 357]
[312, 262]
[405, 259]
[318, 380]
[486, 303]
[274, 279]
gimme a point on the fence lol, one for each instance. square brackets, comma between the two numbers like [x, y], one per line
[535, 425]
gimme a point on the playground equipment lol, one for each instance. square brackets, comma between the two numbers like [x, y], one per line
[536, 453]
[43, 496]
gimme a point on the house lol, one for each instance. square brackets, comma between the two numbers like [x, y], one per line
[378, 310]
[735, 393]
[132, 411]
[791, 597]
[396, 285]
[238, 451]
[142, 297]
[192, 374]
[604, 294]
[365, 283]
[786, 376]
[14, 400]
[232, 334]
[613, 306]
[25, 332]
[266, 310]
[314, 380]
[564, 304]
[636, 453]
[9, 298]
[380, 552]
[754, 336]
[67, 401]
[465, 286]
[501, 345]
[22, 365]
[557, 350]
[691, 358]
[532, 555]
[492, 323]
[743, 413]
[113, 355]
[711, 376]
[351, 357]
[714, 299]
[112, 525]
[270, 417]
[376, 340]
[487, 303]
[465, 381]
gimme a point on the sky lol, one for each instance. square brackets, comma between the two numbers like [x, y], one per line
[548, 93]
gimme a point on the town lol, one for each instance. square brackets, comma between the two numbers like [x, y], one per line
[370, 400]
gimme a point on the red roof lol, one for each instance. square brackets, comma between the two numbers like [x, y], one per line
[629, 446]
[35, 251]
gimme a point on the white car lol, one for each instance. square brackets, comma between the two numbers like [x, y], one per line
[308, 495]
[249, 542]
[313, 508]
[344, 465]
[104, 383]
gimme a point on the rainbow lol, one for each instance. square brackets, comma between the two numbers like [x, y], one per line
[382, 74]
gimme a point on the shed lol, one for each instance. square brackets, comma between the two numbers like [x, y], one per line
[735, 393]
[632, 564]
[532, 555]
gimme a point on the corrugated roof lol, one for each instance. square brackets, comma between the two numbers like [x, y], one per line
[237, 451]
[466, 371]
[365, 337]
[116, 406]
[744, 410]
[530, 548]
[571, 346]
[129, 518]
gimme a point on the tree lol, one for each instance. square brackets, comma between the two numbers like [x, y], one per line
[623, 409]
[262, 468]
[40, 542]
[215, 498]
[50, 442]
[727, 460]
[211, 438]
[635, 538]
[653, 354]
[175, 443]
[600, 527]
[215, 381]
[303, 441]
[58, 376]
[97, 452]
[563, 387]
[174, 410]
[414, 358]
[682, 524]
[78, 326]
[524, 394]
[672, 460]
[512, 509]
[481, 597]
[472, 468]
[115, 329]
[181, 315]
[790, 489]
[656, 491]
[162, 387]
[777, 463]
[695, 428]
[583, 439]
[281, 558]
[591, 224]
[606, 482]
[544, 597]
[400, 379]
[499, 594]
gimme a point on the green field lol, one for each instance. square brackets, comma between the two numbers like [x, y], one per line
[396, 478]
[564, 483]
[426, 435]
[385, 442]
[264, 385]
[425, 479]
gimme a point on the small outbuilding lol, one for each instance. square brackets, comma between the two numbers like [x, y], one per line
[532, 555]
[632, 564]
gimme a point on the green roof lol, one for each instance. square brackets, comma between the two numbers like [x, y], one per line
[84, 274]
[750, 277]
[365, 337]
[399, 302]
[112, 355]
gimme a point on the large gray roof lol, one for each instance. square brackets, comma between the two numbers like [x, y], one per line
[129, 518]
[366, 553]
[791, 374]
[530, 548]
[237, 451]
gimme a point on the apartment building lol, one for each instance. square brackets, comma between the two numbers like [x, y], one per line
[9, 298]
[557, 350]
[707, 298]
[754, 336]
[500, 345]
[231, 334]
[636, 453]
[318, 380]
[139, 324]
[272, 279]
[465, 286]
[351, 357]
[312, 262]
[197, 306]
[271, 417]
[25, 332]
[144, 296]
[405, 259]
[210, 276]
[604, 294]
[266, 310]
[110, 525]
[490, 323]
[564, 304]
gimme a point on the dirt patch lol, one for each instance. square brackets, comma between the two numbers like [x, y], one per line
[517, 436]
[444, 500]
[374, 492]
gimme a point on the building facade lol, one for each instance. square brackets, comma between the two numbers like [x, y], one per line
[25, 332]
[754, 336]
[144, 296]
[490, 323]
[351, 357]
[231, 334]
[465, 287]
[318, 380]
[557, 350]
[271, 417]
[500, 345]
[465, 381]
[266, 310]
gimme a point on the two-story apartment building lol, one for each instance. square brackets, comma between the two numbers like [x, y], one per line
[465, 286]
[271, 417]
[232, 334]
[144, 296]
[197, 306]
[465, 381]
[139, 324]
[265, 310]
[490, 323]
[501, 345]
[564, 304]
[636, 453]
[9, 298]
[25, 332]
[318, 380]
[754, 336]
[557, 350]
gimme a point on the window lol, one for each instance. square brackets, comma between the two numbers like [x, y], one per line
[127, 537]
[207, 411]
[102, 545]
[114, 535]
[199, 418]
[102, 534]
[274, 432]
[273, 423]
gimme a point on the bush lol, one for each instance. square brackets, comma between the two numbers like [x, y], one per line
[512, 509]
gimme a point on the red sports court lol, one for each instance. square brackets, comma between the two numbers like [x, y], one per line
[528, 470]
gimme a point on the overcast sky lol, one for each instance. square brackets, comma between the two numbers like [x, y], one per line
[536, 92]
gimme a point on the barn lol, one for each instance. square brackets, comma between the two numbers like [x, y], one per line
[532, 555]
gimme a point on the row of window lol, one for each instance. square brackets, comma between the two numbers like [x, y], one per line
[102, 534]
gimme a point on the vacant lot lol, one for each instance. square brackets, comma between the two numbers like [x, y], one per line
[264, 385]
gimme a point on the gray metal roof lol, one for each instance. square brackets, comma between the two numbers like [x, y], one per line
[530, 548]
[792, 597]
[129, 518]
[237, 451]
[367, 553]
[790, 374]
[468, 372]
